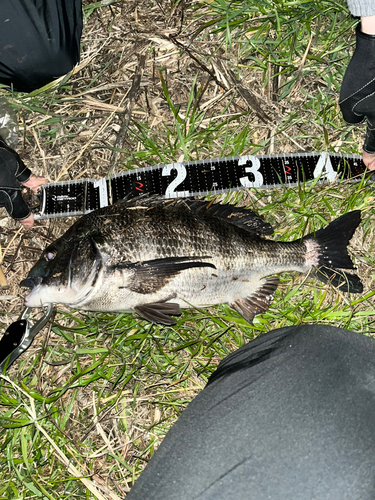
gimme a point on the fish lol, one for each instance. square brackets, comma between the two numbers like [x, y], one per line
[155, 257]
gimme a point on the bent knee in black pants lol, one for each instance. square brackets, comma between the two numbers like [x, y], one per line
[39, 41]
[289, 416]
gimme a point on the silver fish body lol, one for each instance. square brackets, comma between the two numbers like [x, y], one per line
[155, 257]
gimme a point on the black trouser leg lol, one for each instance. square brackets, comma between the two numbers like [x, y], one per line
[39, 41]
[289, 416]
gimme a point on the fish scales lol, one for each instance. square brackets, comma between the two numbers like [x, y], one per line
[167, 231]
[155, 257]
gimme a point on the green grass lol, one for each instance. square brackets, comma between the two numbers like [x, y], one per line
[87, 406]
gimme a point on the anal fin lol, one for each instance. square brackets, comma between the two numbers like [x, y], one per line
[159, 312]
[259, 301]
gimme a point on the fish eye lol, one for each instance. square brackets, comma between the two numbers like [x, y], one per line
[50, 255]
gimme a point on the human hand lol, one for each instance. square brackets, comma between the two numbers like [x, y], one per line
[13, 175]
[369, 160]
[357, 96]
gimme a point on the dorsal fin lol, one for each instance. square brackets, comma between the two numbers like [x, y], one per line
[239, 216]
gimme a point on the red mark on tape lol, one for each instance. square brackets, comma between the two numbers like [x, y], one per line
[139, 186]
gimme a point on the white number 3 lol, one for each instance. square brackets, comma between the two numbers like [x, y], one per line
[254, 169]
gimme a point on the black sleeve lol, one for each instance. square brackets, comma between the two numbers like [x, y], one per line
[13, 172]
[39, 41]
[357, 95]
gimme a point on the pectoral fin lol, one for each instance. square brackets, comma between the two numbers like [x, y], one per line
[159, 312]
[150, 276]
[259, 301]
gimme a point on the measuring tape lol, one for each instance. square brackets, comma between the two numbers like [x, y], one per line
[196, 178]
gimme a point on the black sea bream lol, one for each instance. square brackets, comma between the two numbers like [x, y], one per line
[155, 257]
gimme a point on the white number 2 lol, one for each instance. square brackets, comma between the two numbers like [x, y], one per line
[254, 169]
[181, 176]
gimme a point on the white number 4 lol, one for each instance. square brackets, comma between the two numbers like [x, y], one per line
[324, 168]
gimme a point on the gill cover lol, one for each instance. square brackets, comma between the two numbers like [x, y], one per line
[84, 272]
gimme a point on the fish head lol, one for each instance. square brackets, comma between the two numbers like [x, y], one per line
[66, 273]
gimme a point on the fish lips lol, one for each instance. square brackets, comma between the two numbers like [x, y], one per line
[39, 294]
[34, 285]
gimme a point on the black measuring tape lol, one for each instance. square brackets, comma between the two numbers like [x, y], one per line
[196, 178]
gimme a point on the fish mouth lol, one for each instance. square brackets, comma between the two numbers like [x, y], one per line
[34, 285]
[40, 294]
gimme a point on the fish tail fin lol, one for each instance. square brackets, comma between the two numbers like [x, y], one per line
[333, 254]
